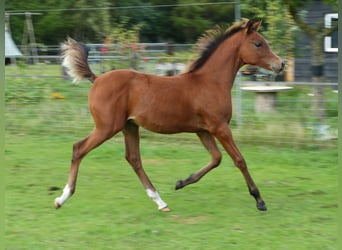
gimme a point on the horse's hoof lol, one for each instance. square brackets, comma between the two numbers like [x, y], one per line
[261, 206]
[179, 184]
[57, 205]
[165, 209]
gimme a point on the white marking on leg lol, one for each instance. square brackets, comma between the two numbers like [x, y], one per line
[66, 194]
[156, 198]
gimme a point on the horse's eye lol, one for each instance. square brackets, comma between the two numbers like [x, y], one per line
[258, 44]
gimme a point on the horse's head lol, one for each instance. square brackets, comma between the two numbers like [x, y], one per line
[255, 50]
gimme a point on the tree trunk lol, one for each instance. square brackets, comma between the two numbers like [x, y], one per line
[290, 69]
[317, 63]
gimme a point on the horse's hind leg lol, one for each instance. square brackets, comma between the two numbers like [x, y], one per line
[131, 133]
[80, 149]
[224, 135]
[209, 143]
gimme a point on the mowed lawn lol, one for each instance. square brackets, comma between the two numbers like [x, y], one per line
[110, 209]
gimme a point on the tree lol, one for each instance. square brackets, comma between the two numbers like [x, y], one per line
[59, 19]
[90, 21]
[125, 42]
[189, 22]
[316, 32]
[152, 21]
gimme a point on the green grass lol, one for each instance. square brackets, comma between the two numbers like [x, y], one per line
[296, 175]
[110, 209]
[32, 109]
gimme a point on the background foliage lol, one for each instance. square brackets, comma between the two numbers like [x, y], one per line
[78, 19]
[175, 21]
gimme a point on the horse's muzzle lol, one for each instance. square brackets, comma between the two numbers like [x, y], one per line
[279, 68]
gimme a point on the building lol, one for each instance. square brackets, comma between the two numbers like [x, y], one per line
[11, 50]
[317, 12]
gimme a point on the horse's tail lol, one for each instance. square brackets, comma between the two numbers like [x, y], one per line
[75, 59]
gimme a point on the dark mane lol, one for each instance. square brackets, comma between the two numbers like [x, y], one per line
[210, 40]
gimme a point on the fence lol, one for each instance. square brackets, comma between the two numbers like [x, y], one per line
[146, 57]
[39, 102]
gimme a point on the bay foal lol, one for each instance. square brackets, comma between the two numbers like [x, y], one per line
[197, 101]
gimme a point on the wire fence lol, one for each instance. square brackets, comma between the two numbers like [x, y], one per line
[157, 58]
[41, 101]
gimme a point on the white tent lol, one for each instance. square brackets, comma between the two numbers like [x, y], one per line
[11, 49]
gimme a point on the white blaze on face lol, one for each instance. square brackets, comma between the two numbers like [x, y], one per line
[156, 198]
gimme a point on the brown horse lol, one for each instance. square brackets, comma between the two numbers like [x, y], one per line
[197, 101]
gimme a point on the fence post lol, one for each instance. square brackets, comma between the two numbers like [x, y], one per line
[239, 99]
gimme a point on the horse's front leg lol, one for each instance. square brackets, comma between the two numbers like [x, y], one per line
[224, 135]
[131, 133]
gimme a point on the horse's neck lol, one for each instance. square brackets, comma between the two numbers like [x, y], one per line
[223, 64]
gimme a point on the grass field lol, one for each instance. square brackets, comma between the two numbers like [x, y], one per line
[296, 175]
[110, 209]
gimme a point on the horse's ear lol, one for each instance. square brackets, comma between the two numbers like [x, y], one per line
[257, 25]
[253, 26]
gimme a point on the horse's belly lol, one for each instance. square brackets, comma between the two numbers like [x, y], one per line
[167, 124]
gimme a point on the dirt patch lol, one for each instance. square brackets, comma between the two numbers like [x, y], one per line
[188, 220]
